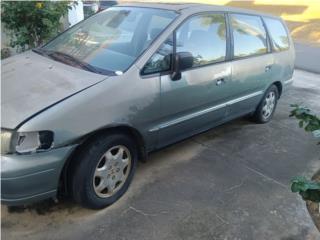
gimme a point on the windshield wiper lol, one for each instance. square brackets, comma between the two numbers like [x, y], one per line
[66, 58]
[40, 51]
[70, 60]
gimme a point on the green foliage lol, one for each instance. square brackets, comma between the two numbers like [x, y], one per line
[31, 23]
[309, 190]
[307, 120]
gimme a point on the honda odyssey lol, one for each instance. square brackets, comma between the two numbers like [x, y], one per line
[80, 111]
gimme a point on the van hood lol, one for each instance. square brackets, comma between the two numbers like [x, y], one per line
[31, 83]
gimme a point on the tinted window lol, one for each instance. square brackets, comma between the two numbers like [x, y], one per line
[157, 24]
[278, 34]
[204, 37]
[249, 35]
[113, 39]
[161, 60]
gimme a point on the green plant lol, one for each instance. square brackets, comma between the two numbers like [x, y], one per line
[30, 23]
[307, 120]
[309, 190]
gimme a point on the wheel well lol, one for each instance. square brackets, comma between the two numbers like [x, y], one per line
[129, 131]
[278, 84]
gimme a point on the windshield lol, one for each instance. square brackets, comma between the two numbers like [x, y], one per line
[111, 40]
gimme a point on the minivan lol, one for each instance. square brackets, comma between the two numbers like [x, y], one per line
[80, 111]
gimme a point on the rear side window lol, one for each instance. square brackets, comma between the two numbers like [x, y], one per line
[278, 34]
[249, 35]
[203, 36]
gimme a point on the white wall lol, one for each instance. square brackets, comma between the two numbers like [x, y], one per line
[75, 14]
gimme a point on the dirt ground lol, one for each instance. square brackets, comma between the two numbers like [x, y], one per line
[314, 207]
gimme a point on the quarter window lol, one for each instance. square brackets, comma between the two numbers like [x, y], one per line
[278, 34]
[203, 36]
[161, 60]
[249, 35]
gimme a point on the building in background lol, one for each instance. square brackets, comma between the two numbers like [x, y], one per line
[76, 13]
[85, 9]
[92, 7]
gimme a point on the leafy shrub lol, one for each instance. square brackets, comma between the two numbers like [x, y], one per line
[30, 23]
[309, 190]
[307, 120]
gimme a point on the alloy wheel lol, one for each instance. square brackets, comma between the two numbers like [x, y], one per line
[112, 171]
[269, 104]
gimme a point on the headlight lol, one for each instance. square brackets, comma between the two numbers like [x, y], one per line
[25, 142]
[29, 142]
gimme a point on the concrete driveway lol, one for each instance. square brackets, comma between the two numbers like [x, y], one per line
[229, 183]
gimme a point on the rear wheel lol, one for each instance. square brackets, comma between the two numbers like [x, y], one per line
[267, 106]
[104, 171]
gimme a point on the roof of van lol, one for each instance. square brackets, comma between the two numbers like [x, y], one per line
[191, 7]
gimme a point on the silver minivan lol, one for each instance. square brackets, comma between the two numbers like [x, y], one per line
[79, 112]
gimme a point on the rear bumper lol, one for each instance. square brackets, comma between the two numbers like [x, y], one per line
[287, 84]
[30, 178]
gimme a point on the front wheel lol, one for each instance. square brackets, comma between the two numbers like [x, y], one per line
[267, 106]
[105, 170]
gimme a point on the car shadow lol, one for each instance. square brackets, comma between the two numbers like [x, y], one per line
[46, 207]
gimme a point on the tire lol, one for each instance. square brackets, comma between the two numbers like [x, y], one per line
[267, 106]
[96, 171]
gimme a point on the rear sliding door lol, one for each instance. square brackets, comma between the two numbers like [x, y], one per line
[252, 63]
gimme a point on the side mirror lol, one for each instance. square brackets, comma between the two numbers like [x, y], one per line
[182, 61]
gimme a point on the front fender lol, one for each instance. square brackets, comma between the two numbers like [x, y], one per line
[119, 100]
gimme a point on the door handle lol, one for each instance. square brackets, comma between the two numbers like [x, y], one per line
[268, 68]
[220, 81]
